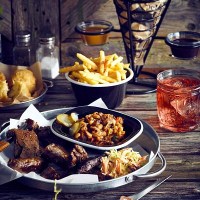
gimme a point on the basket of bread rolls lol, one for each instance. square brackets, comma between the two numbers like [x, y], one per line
[20, 86]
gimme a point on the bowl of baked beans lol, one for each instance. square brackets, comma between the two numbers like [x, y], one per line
[97, 128]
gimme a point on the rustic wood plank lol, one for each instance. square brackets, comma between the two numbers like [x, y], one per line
[181, 151]
[20, 16]
[176, 19]
[73, 12]
[158, 57]
[190, 191]
[5, 21]
[37, 17]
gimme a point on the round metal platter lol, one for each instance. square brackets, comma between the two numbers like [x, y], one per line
[148, 140]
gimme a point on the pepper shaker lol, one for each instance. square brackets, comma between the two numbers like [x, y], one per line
[22, 50]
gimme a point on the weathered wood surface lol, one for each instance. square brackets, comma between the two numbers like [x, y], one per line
[73, 12]
[181, 151]
[181, 15]
[5, 22]
[61, 16]
[36, 16]
[159, 55]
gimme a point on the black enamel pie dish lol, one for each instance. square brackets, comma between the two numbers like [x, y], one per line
[132, 126]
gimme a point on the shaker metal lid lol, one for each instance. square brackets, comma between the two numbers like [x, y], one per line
[23, 35]
[47, 38]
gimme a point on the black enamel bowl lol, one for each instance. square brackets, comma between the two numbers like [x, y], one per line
[132, 126]
[184, 44]
[112, 93]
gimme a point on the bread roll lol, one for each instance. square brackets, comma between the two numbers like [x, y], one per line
[3, 88]
[26, 77]
[19, 89]
[23, 83]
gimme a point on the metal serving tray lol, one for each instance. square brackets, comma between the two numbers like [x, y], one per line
[148, 140]
[46, 85]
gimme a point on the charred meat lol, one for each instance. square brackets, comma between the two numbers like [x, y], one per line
[89, 165]
[77, 155]
[26, 143]
[53, 172]
[56, 154]
[26, 165]
[29, 124]
[46, 137]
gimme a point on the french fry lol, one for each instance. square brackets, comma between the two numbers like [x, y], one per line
[71, 68]
[87, 60]
[101, 70]
[118, 76]
[79, 76]
[116, 61]
[109, 61]
[126, 65]
[102, 62]
[108, 79]
[93, 76]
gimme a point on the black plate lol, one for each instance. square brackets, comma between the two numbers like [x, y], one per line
[132, 126]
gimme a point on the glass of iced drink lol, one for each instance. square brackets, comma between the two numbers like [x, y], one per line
[178, 99]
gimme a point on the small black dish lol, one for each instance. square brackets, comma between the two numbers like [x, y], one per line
[184, 44]
[132, 126]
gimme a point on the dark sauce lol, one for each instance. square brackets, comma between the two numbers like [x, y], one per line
[185, 40]
[185, 48]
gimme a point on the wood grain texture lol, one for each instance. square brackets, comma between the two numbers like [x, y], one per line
[158, 57]
[181, 151]
[5, 22]
[181, 15]
[73, 12]
[37, 17]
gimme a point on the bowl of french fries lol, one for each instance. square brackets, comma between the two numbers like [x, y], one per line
[105, 77]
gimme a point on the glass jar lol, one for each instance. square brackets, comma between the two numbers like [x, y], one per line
[22, 49]
[94, 32]
[47, 55]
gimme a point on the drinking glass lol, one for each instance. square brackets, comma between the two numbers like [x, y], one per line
[178, 99]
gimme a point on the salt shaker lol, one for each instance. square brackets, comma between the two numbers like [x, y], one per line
[22, 49]
[48, 56]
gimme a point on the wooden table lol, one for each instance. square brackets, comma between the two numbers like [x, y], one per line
[181, 150]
